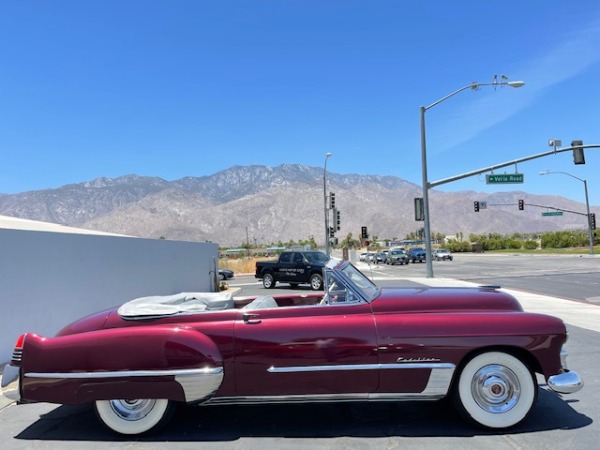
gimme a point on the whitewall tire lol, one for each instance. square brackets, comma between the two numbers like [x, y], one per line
[496, 390]
[134, 416]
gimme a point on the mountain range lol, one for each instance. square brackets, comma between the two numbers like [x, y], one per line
[261, 205]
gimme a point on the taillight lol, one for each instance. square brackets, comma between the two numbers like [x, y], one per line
[18, 350]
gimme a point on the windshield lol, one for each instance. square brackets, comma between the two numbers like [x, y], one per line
[316, 257]
[354, 277]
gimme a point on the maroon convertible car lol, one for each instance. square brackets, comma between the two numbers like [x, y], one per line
[355, 341]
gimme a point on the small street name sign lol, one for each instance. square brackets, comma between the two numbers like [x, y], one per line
[505, 178]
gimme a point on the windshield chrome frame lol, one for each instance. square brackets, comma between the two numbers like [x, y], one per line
[338, 269]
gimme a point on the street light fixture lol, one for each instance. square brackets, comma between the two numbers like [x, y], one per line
[327, 155]
[587, 205]
[473, 86]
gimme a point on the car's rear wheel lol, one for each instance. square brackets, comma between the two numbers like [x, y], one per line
[134, 416]
[268, 281]
[316, 282]
[496, 390]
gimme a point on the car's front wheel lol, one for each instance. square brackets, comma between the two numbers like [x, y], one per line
[496, 390]
[268, 281]
[134, 416]
[316, 282]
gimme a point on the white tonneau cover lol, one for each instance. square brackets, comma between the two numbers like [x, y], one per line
[184, 302]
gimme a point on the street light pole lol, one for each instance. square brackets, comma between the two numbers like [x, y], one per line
[587, 205]
[426, 185]
[327, 155]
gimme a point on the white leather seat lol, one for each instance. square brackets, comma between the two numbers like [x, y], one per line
[263, 302]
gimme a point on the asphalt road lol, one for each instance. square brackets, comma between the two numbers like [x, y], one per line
[568, 422]
[571, 277]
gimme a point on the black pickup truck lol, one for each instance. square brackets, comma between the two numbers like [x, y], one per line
[293, 267]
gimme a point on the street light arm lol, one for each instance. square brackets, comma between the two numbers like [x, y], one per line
[564, 173]
[474, 86]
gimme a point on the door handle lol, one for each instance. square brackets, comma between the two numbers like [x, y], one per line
[251, 318]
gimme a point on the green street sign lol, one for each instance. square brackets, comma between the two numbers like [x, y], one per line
[505, 178]
[552, 213]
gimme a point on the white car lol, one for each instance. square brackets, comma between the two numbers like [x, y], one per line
[442, 254]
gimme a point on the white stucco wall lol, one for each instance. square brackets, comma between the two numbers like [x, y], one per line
[49, 279]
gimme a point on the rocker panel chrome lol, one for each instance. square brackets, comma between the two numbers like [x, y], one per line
[437, 386]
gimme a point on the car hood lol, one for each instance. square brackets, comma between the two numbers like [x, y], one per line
[433, 299]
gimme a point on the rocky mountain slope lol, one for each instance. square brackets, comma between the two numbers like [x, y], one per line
[262, 205]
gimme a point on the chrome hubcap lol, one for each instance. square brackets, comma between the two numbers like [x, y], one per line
[132, 409]
[496, 388]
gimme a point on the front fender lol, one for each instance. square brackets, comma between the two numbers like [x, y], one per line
[177, 363]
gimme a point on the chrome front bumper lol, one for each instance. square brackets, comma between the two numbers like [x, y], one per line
[566, 382]
[11, 388]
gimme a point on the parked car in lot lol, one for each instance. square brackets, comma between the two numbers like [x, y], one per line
[354, 342]
[368, 256]
[442, 254]
[225, 274]
[397, 257]
[416, 254]
[381, 257]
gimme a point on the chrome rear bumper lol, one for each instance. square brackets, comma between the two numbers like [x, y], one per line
[11, 388]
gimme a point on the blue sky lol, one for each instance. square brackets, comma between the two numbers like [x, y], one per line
[178, 88]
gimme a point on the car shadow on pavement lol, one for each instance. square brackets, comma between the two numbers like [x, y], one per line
[230, 423]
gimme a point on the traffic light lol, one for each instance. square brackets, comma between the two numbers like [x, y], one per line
[419, 210]
[331, 232]
[521, 205]
[363, 233]
[578, 156]
[332, 200]
[476, 206]
[592, 219]
[337, 219]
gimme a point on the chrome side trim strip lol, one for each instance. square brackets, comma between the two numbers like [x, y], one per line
[361, 367]
[125, 373]
[197, 384]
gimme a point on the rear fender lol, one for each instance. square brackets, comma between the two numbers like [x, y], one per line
[170, 362]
